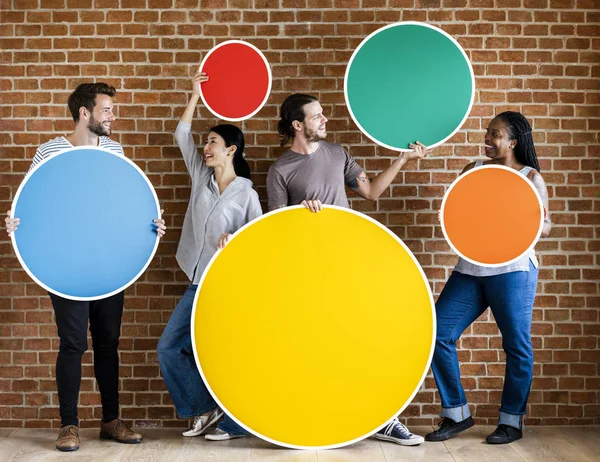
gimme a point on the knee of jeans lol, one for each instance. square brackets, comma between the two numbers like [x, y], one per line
[521, 348]
[164, 346]
[444, 338]
[73, 346]
[109, 344]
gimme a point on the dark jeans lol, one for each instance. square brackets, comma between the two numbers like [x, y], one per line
[105, 325]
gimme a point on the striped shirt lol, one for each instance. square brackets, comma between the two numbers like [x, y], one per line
[60, 143]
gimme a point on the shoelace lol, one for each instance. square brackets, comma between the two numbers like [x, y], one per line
[118, 425]
[502, 429]
[441, 423]
[70, 429]
[395, 424]
[197, 420]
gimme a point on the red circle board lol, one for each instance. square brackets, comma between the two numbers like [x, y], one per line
[239, 80]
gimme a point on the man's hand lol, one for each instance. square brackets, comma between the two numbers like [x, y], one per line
[223, 240]
[419, 150]
[11, 223]
[160, 225]
[313, 205]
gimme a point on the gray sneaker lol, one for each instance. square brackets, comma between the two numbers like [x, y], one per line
[202, 422]
[220, 435]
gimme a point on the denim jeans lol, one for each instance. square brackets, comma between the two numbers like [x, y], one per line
[178, 367]
[464, 298]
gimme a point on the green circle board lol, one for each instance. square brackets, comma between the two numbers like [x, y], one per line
[409, 81]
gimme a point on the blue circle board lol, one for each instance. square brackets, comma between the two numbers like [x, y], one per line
[86, 228]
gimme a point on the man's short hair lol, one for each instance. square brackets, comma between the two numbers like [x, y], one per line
[292, 109]
[85, 95]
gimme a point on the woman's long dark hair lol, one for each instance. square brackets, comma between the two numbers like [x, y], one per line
[519, 129]
[233, 136]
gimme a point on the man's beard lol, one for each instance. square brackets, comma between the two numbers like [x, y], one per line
[312, 135]
[97, 128]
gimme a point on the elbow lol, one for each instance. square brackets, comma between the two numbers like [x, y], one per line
[546, 230]
[373, 196]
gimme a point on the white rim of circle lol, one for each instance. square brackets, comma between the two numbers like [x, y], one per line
[345, 443]
[399, 24]
[16, 248]
[477, 169]
[270, 78]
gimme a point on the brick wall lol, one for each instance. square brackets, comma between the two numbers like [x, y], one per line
[540, 57]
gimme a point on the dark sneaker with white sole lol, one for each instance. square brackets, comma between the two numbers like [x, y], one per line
[504, 434]
[399, 434]
[449, 428]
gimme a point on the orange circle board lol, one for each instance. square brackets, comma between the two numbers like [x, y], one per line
[492, 215]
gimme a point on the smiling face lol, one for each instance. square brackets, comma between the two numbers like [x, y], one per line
[498, 143]
[101, 118]
[314, 125]
[215, 152]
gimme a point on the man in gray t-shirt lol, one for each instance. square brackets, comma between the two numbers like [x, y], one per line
[315, 171]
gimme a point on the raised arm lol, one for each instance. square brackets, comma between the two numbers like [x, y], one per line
[188, 114]
[183, 133]
[372, 189]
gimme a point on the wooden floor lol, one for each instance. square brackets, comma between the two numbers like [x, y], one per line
[544, 444]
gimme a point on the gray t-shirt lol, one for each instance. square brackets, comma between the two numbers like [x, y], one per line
[321, 175]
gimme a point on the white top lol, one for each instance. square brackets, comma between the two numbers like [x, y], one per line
[522, 264]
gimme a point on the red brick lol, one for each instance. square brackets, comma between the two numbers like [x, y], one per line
[539, 60]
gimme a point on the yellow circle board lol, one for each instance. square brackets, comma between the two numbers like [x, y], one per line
[312, 330]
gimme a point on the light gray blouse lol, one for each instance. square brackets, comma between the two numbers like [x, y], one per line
[209, 213]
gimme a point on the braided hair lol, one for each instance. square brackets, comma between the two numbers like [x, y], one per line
[518, 128]
[292, 109]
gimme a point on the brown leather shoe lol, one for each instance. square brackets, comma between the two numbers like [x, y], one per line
[68, 438]
[119, 431]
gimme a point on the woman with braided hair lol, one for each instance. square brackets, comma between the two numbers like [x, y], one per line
[508, 290]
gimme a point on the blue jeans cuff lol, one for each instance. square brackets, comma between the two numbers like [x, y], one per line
[190, 414]
[458, 413]
[238, 431]
[512, 420]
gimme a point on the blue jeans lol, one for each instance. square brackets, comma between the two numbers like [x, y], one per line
[178, 367]
[464, 298]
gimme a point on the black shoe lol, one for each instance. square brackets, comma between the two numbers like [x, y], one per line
[504, 434]
[449, 428]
